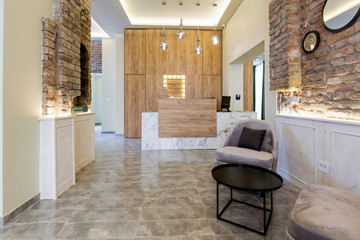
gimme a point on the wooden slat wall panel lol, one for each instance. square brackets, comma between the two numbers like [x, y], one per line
[153, 82]
[155, 57]
[212, 88]
[134, 51]
[187, 118]
[144, 57]
[248, 86]
[193, 62]
[175, 61]
[194, 86]
[134, 90]
[212, 61]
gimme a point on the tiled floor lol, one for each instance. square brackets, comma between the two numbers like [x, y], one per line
[127, 193]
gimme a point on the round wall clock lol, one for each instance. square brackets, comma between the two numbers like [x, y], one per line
[311, 41]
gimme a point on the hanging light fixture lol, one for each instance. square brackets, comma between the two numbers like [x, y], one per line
[215, 38]
[198, 49]
[163, 44]
[181, 33]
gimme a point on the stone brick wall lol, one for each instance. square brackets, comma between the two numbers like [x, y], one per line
[48, 66]
[69, 61]
[330, 76]
[96, 56]
[285, 66]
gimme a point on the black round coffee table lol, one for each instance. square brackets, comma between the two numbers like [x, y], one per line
[248, 178]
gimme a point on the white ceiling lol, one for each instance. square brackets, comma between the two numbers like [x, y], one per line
[97, 31]
[113, 17]
[145, 12]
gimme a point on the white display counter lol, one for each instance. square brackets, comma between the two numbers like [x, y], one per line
[225, 121]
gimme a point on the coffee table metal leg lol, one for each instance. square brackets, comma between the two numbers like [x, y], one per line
[264, 211]
[217, 200]
[266, 221]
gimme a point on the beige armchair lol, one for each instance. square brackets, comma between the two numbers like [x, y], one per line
[231, 153]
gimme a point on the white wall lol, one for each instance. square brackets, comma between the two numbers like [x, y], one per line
[1, 101]
[21, 94]
[96, 97]
[108, 84]
[246, 30]
[113, 84]
[119, 124]
[235, 83]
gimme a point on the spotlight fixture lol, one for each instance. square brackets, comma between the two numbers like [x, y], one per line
[163, 44]
[215, 38]
[198, 49]
[181, 33]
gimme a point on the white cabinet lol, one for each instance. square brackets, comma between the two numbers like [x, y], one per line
[57, 169]
[306, 143]
[66, 146]
[84, 139]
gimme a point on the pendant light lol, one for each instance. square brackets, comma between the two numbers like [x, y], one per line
[181, 33]
[163, 44]
[198, 49]
[215, 38]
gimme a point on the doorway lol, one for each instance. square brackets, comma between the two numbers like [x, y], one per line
[258, 86]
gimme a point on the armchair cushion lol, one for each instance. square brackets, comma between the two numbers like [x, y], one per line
[325, 213]
[231, 154]
[251, 138]
[269, 145]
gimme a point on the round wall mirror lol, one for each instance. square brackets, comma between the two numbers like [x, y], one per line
[338, 15]
[311, 41]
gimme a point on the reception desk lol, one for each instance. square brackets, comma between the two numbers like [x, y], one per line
[187, 118]
[224, 123]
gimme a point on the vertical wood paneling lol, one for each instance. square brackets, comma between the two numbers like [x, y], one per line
[134, 90]
[175, 61]
[146, 63]
[134, 51]
[212, 88]
[194, 86]
[211, 53]
[248, 87]
[153, 82]
[193, 62]
[155, 57]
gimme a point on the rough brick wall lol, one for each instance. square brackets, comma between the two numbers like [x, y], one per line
[285, 69]
[71, 51]
[96, 56]
[330, 76]
[48, 66]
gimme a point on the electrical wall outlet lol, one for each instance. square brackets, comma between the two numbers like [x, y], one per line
[324, 167]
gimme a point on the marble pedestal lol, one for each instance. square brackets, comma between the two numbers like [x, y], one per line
[225, 121]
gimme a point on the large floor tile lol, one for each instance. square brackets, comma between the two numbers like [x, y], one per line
[131, 194]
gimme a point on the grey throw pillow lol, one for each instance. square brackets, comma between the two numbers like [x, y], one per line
[251, 138]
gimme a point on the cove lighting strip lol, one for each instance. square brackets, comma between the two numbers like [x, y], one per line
[158, 20]
[341, 10]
